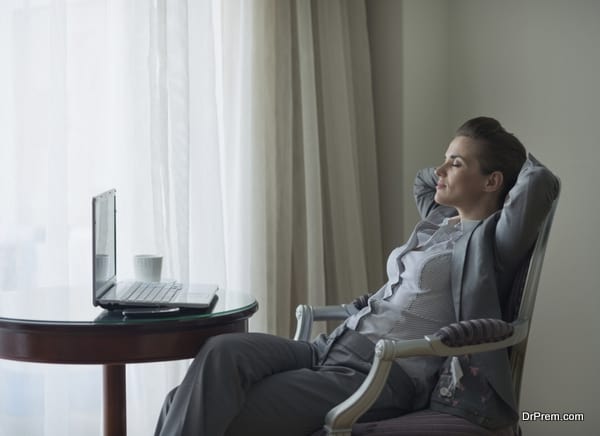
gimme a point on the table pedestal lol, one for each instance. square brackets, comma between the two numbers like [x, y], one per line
[115, 400]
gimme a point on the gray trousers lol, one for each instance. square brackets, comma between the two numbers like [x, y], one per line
[257, 384]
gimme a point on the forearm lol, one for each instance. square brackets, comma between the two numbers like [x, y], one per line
[424, 191]
[526, 206]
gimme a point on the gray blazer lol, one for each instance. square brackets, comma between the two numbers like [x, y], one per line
[484, 263]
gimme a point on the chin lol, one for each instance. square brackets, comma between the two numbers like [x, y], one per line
[439, 199]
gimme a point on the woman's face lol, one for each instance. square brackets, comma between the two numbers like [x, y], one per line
[461, 184]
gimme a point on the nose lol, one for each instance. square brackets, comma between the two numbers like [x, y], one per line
[440, 171]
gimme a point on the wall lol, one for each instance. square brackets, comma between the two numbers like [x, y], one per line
[409, 57]
[535, 65]
[385, 33]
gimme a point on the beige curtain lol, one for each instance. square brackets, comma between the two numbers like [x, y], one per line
[313, 195]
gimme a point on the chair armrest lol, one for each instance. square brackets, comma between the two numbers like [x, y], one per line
[306, 315]
[465, 337]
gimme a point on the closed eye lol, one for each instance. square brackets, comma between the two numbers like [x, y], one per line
[456, 159]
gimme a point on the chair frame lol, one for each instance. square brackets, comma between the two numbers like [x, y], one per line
[341, 418]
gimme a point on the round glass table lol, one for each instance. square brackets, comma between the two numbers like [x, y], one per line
[58, 325]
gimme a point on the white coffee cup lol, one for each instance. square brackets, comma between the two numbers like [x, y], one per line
[101, 267]
[147, 267]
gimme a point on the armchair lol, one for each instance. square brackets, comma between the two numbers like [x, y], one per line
[465, 337]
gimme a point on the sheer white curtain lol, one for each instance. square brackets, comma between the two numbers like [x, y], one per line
[239, 137]
[95, 94]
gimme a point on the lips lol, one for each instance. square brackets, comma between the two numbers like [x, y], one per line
[440, 186]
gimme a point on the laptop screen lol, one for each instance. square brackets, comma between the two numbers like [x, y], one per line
[104, 268]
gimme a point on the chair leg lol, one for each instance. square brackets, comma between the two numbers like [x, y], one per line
[339, 432]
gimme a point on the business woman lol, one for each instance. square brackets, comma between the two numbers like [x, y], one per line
[481, 210]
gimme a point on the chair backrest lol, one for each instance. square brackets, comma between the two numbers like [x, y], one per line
[522, 300]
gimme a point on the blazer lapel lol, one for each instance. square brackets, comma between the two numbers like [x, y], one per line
[459, 255]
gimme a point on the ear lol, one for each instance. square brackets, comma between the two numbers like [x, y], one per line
[494, 182]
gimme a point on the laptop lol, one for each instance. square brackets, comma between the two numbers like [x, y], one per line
[128, 296]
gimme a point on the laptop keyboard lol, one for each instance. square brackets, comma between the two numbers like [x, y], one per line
[158, 292]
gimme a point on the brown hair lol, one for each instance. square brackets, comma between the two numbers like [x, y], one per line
[499, 150]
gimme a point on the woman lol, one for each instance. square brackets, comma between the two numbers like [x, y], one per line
[457, 264]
